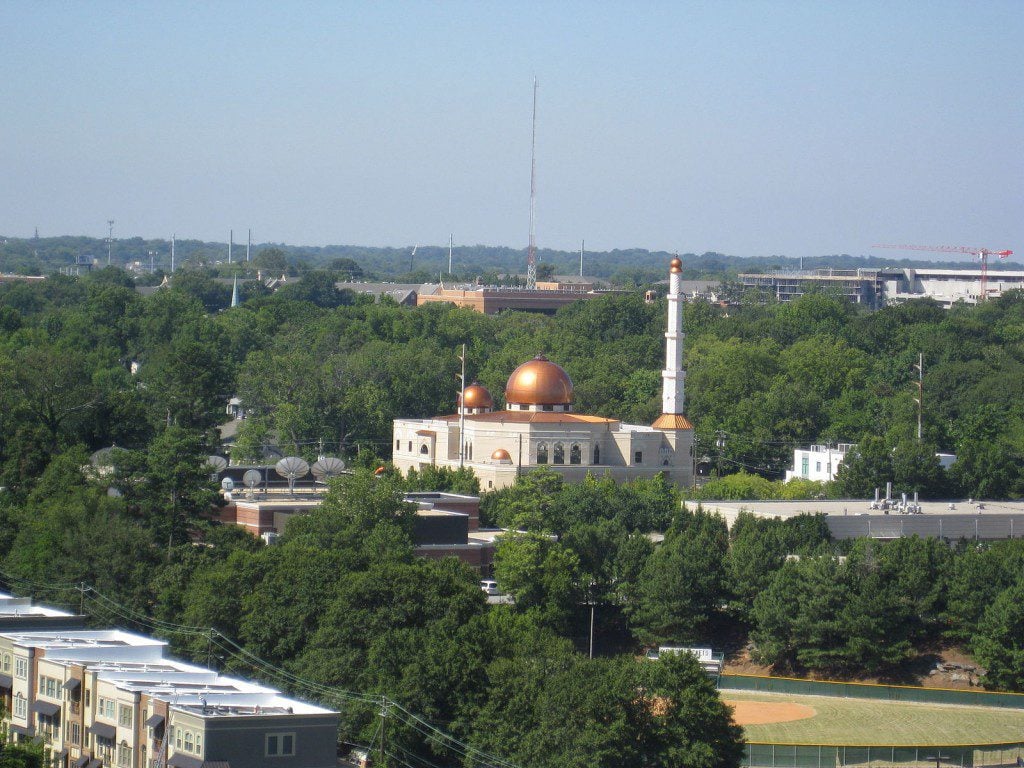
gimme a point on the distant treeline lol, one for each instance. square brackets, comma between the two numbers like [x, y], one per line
[631, 266]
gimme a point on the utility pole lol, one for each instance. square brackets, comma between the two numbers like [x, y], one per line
[383, 721]
[110, 238]
[449, 253]
[248, 246]
[582, 243]
[919, 365]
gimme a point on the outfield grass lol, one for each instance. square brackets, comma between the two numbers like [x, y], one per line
[856, 722]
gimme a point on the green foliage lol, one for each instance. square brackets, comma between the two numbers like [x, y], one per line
[999, 641]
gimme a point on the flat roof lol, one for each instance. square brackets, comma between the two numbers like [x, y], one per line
[840, 507]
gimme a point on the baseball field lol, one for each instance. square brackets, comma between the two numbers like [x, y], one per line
[785, 718]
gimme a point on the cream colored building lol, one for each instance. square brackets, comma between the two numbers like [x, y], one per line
[538, 427]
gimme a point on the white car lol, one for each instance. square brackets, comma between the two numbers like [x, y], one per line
[490, 587]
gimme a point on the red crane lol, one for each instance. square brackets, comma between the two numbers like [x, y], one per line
[981, 253]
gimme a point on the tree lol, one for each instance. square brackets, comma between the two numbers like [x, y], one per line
[683, 582]
[998, 643]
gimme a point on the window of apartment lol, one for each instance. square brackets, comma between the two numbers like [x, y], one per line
[280, 744]
[20, 706]
[88, 698]
[7, 662]
[75, 735]
[817, 466]
[124, 755]
[20, 668]
[124, 715]
[49, 687]
[199, 743]
[106, 708]
[176, 735]
[189, 743]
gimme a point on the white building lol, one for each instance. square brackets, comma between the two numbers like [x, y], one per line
[538, 426]
[819, 462]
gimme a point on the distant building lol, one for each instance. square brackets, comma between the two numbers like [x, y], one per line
[875, 288]
[860, 286]
[404, 294]
[819, 462]
[548, 297]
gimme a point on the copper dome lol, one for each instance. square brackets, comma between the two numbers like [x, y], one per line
[539, 382]
[501, 455]
[477, 396]
[676, 265]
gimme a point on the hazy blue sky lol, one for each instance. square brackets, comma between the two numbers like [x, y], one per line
[751, 128]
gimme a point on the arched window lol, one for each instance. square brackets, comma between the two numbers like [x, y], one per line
[542, 453]
[470, 451]
[398, 444]
[424, 450]
[575, 454]
[559, 457]
[597, 454]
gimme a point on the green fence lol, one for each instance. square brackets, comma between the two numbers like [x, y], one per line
[819, 756]
[867, 691]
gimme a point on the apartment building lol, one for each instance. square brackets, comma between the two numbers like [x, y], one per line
[110, 698]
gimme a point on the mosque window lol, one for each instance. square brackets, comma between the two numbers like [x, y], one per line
[424, 449]
[575, 454]
[638, 457]
[548, 407]
[559, 457]
[398, 445]
[597, 454]
[542, 453]
[410, 446]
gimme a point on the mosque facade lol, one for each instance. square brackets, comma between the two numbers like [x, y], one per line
[539, 428]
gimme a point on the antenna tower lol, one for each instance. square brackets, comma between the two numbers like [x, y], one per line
[110, 238]
[173, 237]
[531, 256]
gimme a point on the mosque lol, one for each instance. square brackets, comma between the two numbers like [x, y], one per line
[538, 427]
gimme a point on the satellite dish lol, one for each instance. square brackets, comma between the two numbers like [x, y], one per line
[251, 478]
[104, 457]
[326, 467]
[227, 484]
[217, 463]
[291, 467]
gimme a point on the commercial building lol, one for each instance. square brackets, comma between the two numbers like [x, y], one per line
[110, 698]
[546, 297]
[875, 288]
[539, 428]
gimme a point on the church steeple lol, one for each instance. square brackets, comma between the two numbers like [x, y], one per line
[234, 292]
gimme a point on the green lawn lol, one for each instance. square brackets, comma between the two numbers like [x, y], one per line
[854, 722]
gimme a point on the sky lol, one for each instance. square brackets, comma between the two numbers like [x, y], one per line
[744, 127]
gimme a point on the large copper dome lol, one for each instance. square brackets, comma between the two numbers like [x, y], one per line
[539, 382]
[477, 396]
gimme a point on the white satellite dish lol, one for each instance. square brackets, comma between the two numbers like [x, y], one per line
[251, 479]
[292, 468]
[326, 467]
[217, 463]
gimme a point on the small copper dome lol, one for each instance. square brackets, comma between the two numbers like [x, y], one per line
[676, 265]
[501, 455]
[539, 382]
[477, 396]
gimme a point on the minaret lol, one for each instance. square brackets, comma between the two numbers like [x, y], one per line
[676, 454]
[673, 392]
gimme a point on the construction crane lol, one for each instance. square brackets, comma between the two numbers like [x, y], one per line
[981, 253]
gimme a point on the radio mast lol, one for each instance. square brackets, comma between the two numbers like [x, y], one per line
[531, 256]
